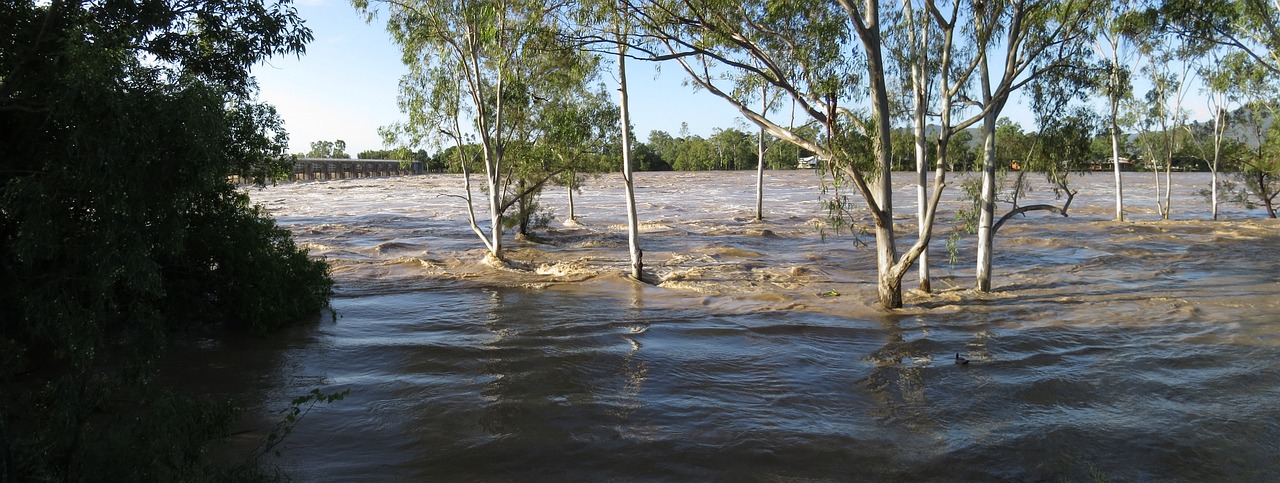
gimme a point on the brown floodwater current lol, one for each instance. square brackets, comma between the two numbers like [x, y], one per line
[1143, 350]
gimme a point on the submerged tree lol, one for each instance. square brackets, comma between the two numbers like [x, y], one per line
[482, 67]
[600, 26]
[916, 54]
[578, 131]
[1160, 116]
[800, 49]
[1111, 44]
[1040, 41]
[1257, 172]
[1216, 86]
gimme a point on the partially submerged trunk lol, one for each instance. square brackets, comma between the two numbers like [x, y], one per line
[1219, 128]
[764, 108]
[918, 46]
[760, 176]
[987, 202]
[466, 187]
[572, 217]
[628, 179]
[922, 169]
[1114, 127]
[890, 283]
[1115, 161]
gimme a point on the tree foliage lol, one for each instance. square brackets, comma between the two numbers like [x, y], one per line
[727, 149]
[328, 150]
[121, 122]
[488, 72]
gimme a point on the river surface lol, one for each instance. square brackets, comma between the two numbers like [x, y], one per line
[1144, 350]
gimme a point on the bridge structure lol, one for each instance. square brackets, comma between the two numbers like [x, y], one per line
[306, 169]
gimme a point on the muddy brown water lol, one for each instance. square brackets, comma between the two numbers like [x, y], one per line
[1143, 350]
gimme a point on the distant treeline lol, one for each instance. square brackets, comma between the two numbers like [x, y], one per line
[727, 149]
[735, 149]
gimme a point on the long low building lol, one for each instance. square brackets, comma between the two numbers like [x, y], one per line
[305, 169]
[322, 168]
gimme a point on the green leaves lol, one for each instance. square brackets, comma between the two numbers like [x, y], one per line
[122, 122]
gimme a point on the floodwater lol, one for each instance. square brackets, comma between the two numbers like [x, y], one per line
[1146, 350]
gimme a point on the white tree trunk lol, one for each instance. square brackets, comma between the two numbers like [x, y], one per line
[1115, 161]
[1219, 127]
[922, 171]
[572, 216]
[760, 176]
[1113, 98]
[987, 202]
[890, 281]
[633, 224]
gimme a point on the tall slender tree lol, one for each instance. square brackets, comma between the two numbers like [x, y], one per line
[1111, 44]
[1217, 85]
[628, 167]
[1168, 69]
[1036, 38]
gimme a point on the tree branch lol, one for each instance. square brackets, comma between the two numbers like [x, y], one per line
[1024, 209]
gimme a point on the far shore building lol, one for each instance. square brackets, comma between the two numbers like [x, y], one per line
[1126, 164]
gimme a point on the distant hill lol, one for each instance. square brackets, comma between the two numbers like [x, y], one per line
[1237, 129]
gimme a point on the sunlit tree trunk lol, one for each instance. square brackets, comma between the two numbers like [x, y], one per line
[1034, 38]
[1115, 160]
[764, 101]
[890, 286]
[569, 190]
[918, 37]
[1219, 128]
[1108, 43]
[986, 214]
[628, 174]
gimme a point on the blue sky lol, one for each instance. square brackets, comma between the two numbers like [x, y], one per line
[345, 86]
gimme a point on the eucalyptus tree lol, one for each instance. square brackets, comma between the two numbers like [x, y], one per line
[1251, 27]
[1217, 86]
[914, 53]
[1039, 40]
[577, 131]
[1168, 68]
[489, 62]
[1258, 170]
[803, 50]
[766, 104]
[1112, 45]
[597, 23]
[621, 31]
[557, 135]
[931, 55]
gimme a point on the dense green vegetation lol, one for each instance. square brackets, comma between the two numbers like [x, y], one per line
[121, 122]
[327, 149]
